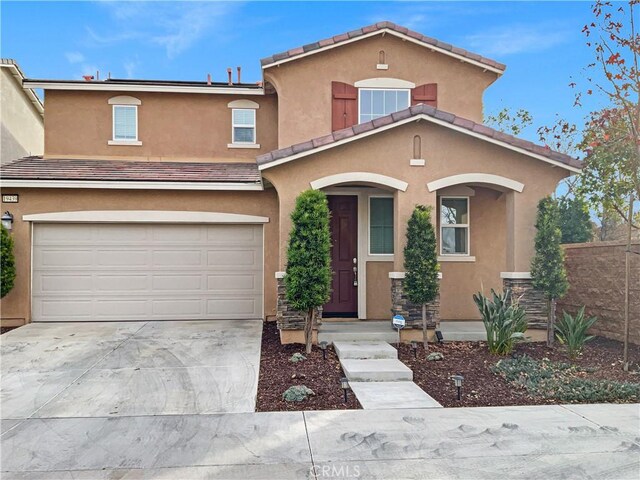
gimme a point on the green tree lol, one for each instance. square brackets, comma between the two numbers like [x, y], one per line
[7, 263]
[308, 275]
[510, 122]
[421, 262]
[575, 223]
[547, 267]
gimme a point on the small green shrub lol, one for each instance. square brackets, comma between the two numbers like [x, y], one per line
[297, 357]
[7, 263]
[563, 382]
[504, 321]
[297, 393]
[572, 331]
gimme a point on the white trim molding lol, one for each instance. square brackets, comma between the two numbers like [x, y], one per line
[143, 216]
[395, 275]
[243, 104]
[516, 275]
[486, 178]
[384, 83]
[417, 162]
[280, 275]
[243, 145]
[359, 177]
[456, 258]
[125, 143]
[130, 185]
[124, 100]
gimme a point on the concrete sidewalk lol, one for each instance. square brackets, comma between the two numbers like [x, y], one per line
[584, 441]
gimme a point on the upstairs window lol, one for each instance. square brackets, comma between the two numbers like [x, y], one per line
[125, 123]
[244, 126]
[378, 102]
[380, 226]
[454, 225]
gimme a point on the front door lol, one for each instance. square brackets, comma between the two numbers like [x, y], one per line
[344, 257]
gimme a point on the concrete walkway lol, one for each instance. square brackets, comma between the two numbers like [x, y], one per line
[545, 442]
[378, 379]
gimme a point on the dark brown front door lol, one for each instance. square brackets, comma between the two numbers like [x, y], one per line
[344, 254]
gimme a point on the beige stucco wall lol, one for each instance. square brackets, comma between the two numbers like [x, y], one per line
[171, 126]
[446, 153]
[378, 290]
[304, 85]
[16, 303]
[22, 126]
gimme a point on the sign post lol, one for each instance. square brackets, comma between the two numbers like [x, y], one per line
[398, 323]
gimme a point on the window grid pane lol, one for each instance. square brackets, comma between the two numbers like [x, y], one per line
[381, 102]
[124, 123]
[454, 211]
[244, 117]
[243, 135]
[454, 240]
[381, 226]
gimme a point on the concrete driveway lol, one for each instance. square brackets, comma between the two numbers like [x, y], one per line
[129, 368]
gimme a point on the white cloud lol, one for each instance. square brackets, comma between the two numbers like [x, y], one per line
[176, 26]
[74, 57]
[516, 39]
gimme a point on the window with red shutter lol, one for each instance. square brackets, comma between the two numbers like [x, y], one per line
[344, 105]
[427, 94]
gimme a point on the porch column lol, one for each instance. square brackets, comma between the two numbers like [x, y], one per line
[404, 203]
[520, 249]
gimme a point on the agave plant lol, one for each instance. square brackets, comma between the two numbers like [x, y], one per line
[572, 331]
[504, 321]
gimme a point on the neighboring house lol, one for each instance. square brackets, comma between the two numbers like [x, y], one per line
[172, 200]
[21, 115]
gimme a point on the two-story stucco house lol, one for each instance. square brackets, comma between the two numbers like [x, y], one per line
[163, 200]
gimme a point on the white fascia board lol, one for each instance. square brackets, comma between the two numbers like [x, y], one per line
[143, 216]
[33, 96]
[428, 118]
[115, 185]
[123, 87]
[434, 48]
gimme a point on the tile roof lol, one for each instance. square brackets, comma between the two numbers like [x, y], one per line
[439, 116]
[294, 52]
[37, 168]
[163, 83]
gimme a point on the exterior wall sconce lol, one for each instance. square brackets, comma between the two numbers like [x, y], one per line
[7, 220]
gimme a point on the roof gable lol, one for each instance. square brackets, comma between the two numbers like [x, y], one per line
[379, 29]
[412, 114]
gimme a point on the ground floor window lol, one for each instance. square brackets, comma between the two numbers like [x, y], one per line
[454, 225]
[380, 225]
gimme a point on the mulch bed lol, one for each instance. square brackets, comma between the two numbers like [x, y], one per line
[6, 329]
[277, 374]
[481, 387]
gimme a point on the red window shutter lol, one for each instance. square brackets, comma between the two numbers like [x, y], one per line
[344, 105]
[427, 94]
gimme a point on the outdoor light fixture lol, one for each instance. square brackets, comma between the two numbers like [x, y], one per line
[414, 346]
[457, 381]
[439, 336]
[323, 347]
[7, 220]
[344, 383]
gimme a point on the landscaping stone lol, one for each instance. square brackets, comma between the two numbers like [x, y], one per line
[400, 305]
[435, 357]
[530, 299]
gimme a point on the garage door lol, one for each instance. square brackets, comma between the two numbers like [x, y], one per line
[89, 272]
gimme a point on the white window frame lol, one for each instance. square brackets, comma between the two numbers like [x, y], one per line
[455, 225]
[233, 126]
[360, 90]
[113, 124]
[389, 255]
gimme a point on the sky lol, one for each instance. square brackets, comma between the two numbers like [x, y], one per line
[540, 42]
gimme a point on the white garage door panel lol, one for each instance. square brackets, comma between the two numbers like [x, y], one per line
[146, 272]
